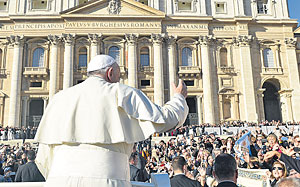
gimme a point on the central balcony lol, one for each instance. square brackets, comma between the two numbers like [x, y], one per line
[189, 71]
[35, 72]
[272, 71]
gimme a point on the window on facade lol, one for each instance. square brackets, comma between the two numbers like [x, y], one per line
[82, 58]
[189, 83]
[144, 56]
[83, 1]
[262, 7]
[114, 52]
[39, 4]
[145, 82]
[268, 58]
[220, 7]
[3, 5]
[145, 2]
[184, 5]
[227, 109]
[36, 84]
[186, 57]
[223, 57]
[38, 57]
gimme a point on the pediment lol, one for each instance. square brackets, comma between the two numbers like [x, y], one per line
[297, 31]
[112, 8]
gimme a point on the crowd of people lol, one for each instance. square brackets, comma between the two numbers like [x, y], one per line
[278, 152]
[14, 163]
[11, 133]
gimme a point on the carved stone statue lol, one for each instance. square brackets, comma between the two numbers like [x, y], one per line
[114, 6]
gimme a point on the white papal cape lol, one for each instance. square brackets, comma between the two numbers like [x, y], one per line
[87, 132]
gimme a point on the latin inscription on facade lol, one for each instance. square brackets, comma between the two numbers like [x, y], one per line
[97, 25]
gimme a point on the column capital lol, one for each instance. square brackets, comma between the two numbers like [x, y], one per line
[131, 38]
[171, 40]
[54, 39]
[45, 98]
[290, 42]
[25, 98]
[15, 40]
[243, 40]
[199, 96]
[95, 38]
[206, 40]
[157, 38]
[69, 39]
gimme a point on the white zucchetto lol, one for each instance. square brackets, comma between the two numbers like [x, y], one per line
[100, 62]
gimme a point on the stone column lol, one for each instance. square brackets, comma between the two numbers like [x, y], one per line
[209, 103]
[132, 60]
[68, 60]
[16, 78]
[199, 109]
[260, 97]
[203, 7]
[293, 74]
[54, 41]
[25, 100]
[2, 102]
[45, 99]
[247, 77]
[95, 40]
[158, 70]
[172, 63]
[221, 107]
[236, 107]
[254, 8]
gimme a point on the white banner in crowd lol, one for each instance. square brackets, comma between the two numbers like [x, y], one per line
[235, 130]
[253, 178]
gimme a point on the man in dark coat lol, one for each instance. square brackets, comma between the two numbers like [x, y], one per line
[179, 179]
[225, 170]
[135, 174]
[29, 172]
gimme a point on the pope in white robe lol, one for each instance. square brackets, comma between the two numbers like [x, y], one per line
[87, 131]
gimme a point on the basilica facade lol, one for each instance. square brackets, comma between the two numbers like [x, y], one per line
[237, 57]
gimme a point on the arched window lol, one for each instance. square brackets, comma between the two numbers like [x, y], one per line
[223, 57]
[186, 57]
[144, 56]
[268, 58]
[82, 59]
[114, 52]
[38, 57]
